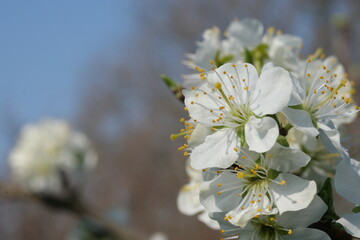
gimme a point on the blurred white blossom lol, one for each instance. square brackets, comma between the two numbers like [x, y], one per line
[45, 151]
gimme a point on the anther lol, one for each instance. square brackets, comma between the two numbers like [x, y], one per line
[217, 85]
[240, 175]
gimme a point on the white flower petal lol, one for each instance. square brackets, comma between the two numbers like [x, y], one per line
[303, 218]
[351, 223]
[294, 195]
[301, 120]
[207, 48]
[331, 140]
[223, 197]
[267, 66]
[247, 31]
[347, 180]
[298, 93]
[230, 230]
[284, 51]
[286, 159]
[243, 78]
[204, 217]
[261, 134]
[216, 151]
[192, 80]
[307, 234]
[272, 92]
[198, 135]
[188, 201]
[200, 104]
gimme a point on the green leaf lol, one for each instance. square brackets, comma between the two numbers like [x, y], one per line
[356, 209]
[170, 83]
[326, 194]
[248, 58]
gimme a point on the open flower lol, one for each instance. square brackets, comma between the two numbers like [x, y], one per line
[288, 226]
[259, 184]
[234, 102]
[321, 95]
[347, 182]
[47, 150]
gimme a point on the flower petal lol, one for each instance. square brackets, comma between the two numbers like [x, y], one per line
[204, 217]
[261, 134]
[272, 92]
[307, 234]
[228, 229]
[198, 135]
[188, 201]
[216, 151]
[284, 51]
[285, 159]
[220, 194]
[304, 217]
[207, 48]
[301, 120]
[200, 104]
[330, 136]
[347, 180]
[247, 31]
[351, 223]
[294, 195]
[237, 79]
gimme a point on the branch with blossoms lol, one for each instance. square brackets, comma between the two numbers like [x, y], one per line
[263, 139]
[48, 165]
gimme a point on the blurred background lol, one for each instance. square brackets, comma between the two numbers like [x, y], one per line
[97, 65]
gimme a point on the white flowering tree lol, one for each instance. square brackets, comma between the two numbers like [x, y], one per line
[263, 139]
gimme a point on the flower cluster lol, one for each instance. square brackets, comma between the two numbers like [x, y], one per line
[46, 153]
[263, 130]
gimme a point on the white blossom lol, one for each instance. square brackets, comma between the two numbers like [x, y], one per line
[235, 103]
[321, 94]
[259, 185]
[288, 226]
[44, 150]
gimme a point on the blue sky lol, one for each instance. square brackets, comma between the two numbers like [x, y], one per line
[45, 49]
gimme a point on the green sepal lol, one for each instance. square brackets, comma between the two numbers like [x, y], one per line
[272, 174]
[356, 209]
[326, 194]
[282, 141]
[300, 106]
